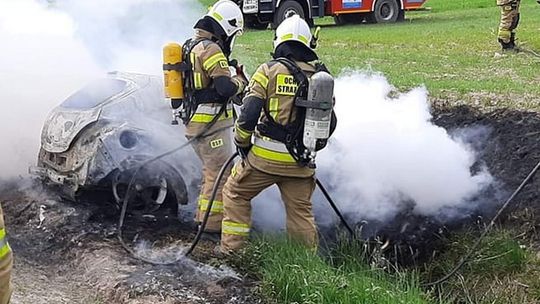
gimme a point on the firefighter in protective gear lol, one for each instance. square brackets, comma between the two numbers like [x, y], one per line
[213, 87]
[6, 263]
[509, 22]
[267, 161]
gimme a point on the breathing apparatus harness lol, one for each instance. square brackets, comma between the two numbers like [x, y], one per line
[186, 107]
[293, 134]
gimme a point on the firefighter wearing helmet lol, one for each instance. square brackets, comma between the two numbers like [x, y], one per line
[6, 264]
[211, 84]
[268, 136]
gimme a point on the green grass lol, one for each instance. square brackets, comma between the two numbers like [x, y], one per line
[502, 271]
[290, 273]
[450, 49]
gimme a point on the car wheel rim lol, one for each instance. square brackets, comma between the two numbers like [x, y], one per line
[151, 196]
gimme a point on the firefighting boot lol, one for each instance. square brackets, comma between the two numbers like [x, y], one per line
[507, 46]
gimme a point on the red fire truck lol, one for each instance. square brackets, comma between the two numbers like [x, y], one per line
[260, 13]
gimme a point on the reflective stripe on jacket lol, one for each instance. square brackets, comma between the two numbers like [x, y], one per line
[4, 246]
[276, 87]
[208, 62]
[269, 149]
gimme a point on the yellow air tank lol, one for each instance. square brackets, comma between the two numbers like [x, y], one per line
[173, 77]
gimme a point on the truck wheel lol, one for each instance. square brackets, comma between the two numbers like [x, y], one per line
[286, 9]
[386, 11]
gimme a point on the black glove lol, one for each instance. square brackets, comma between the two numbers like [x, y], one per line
[243, 151]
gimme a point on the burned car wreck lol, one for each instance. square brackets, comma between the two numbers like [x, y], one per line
[98, 137]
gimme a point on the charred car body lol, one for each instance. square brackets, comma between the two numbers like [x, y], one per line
[99, 136]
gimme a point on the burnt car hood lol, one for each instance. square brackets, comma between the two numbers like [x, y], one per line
[64, 122]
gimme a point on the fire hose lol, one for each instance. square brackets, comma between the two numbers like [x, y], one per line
[215, 188]
[476, 245]
[125, 202]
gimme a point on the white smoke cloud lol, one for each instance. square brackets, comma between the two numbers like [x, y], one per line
[127, 35]
[386, 151]
[41, 64]
[386, 156]
[49, 49]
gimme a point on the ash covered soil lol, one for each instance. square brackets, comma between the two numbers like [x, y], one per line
[509, 145]
[68, 253]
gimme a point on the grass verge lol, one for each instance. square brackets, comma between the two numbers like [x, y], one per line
[503, 270]
[290, 273]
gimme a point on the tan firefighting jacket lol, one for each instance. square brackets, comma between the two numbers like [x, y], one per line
[275, 85]
[209, 62]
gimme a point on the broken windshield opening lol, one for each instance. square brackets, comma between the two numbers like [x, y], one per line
[94, 93]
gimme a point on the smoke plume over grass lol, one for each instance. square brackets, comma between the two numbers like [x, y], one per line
[49, 49]
[387, 157]
[386, 154]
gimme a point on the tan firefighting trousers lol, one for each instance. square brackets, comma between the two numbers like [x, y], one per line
[244, 184]
[6, 264]
[509, 19]
[213, 150]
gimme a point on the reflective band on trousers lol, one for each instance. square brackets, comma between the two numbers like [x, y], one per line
[217, 206]
[233, 228]
[4, 246]
[271, 150]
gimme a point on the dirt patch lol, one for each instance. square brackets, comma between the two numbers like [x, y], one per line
[68, 253]
[510, 149]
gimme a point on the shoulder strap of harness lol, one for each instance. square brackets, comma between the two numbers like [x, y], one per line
[291, 133]
[193, 96]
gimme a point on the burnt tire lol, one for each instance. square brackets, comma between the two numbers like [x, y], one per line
[157, 186]
[286, 9]
[386, 11]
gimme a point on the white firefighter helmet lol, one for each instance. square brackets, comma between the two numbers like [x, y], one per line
[293, 28]
[229, 16]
